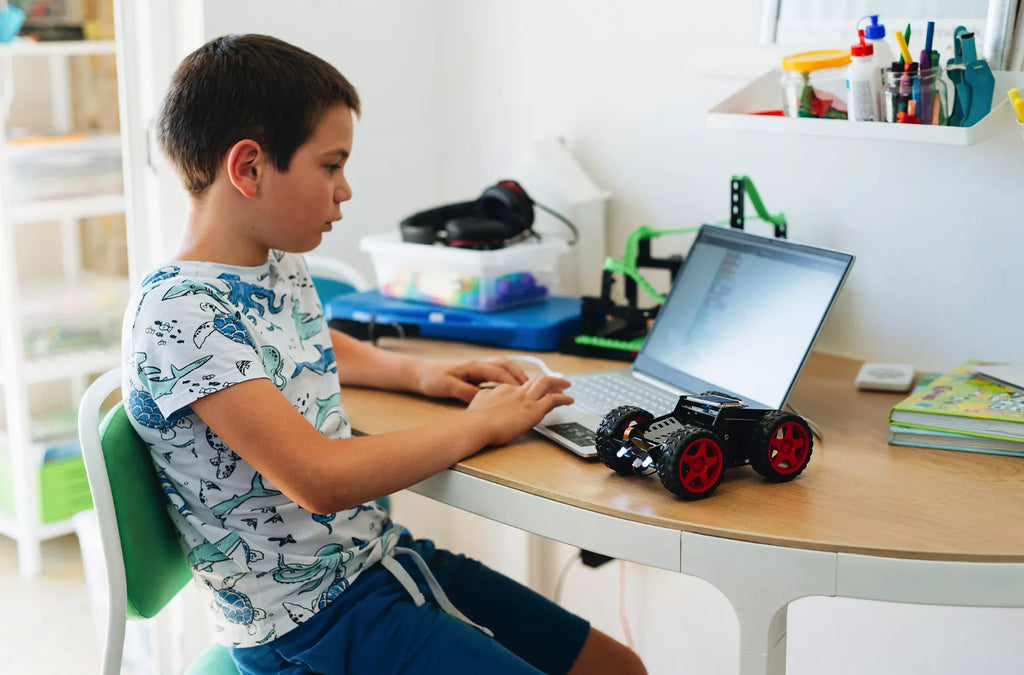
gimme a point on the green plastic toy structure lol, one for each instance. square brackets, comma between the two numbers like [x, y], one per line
[620, 330]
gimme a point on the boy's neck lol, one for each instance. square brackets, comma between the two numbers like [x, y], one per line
[219, 230]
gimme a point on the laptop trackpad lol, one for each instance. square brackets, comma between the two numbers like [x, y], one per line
[571, 428]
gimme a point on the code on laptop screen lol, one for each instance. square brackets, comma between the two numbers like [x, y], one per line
[742, 315]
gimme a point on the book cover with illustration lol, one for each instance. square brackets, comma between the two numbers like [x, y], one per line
[962, 402]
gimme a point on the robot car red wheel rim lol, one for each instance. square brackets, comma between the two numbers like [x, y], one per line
[700, 465]
[787, 447]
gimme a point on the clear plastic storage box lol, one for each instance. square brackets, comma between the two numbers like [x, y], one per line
[459, 277]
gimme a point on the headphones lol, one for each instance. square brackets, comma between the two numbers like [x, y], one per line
[500, 216]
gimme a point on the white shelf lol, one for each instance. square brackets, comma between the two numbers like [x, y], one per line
[43, 531]
[51, 178]
[25, 47]
[71, 207]
[764, 94]
[71, 364]
[39, 146]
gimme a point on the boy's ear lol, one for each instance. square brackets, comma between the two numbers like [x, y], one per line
[245, 166]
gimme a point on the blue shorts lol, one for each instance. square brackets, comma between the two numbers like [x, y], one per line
[374, 627]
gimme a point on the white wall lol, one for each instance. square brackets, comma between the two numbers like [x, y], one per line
[453, 91]
[628, 84]
[389, 50]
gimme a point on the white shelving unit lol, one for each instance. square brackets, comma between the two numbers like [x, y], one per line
[764, 94]
[33, 193]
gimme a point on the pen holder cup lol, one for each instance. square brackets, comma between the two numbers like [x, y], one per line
[926, 93]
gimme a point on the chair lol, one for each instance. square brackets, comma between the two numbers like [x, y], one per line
[142, 559]
[332, 277]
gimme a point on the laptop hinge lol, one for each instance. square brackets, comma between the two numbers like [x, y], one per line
[675, 391]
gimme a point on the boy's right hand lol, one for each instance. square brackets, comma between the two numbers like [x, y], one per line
[509, 410]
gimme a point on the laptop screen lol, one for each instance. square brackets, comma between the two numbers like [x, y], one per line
[742, 315]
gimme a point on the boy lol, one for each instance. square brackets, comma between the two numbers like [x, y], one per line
[233, 382]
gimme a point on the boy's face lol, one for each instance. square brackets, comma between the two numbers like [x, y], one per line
[302, 203]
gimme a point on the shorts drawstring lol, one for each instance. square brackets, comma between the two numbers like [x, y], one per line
[388, 542]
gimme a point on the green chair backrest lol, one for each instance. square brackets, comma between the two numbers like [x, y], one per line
[154, 563]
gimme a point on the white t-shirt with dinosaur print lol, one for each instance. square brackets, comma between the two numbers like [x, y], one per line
[265, 564]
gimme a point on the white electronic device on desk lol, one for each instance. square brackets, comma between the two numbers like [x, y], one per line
[740, 319]
[885, 377]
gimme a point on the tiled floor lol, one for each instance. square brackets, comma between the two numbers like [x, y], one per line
[46, 624]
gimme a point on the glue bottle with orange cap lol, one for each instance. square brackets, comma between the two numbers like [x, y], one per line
[862, 83]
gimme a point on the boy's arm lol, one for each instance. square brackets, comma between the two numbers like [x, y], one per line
[362, 364]
[325, 475]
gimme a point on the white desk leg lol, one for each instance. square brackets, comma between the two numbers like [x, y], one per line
[759, 581]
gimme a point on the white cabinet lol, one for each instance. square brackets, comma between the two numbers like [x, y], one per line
[59, 316]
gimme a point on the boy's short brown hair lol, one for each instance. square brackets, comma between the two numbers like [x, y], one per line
[245, 86]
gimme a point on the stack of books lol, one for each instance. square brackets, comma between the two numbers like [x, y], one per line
[961, 410]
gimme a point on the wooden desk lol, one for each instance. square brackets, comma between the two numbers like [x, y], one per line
[865, 520]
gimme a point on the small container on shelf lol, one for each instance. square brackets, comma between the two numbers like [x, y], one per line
[63, 485]
[814, 84]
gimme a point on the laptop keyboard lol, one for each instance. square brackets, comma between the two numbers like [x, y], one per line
[601, 392]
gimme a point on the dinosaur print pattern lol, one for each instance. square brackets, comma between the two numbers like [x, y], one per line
[264, 563]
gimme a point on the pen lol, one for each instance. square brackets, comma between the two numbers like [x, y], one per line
[925, 100]
[1017, 103]
[915, 91]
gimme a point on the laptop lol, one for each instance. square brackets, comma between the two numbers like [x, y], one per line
[740, 319]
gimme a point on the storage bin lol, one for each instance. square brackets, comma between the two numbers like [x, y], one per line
[63, 487]
[458, 277]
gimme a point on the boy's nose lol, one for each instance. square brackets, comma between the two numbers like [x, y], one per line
[343, 192]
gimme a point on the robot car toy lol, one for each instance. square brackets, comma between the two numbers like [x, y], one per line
[691, 446]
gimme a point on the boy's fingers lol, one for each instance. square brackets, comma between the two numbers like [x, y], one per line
[556, 400]
[542, 386]
[510, 366]
[464, 391]
[478, 371]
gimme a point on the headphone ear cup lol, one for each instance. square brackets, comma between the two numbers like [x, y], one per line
[507, 201]
[425, 227]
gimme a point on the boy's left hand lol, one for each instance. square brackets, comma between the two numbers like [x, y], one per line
[446, 379]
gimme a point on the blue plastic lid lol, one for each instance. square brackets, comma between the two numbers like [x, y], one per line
[875, 31]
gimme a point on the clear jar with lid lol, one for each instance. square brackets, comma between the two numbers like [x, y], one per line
[814, 84]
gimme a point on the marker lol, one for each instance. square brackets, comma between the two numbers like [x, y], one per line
[1017, 103]
[903, 48]
[926, 65]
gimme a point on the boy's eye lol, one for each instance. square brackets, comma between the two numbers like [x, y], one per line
[331, 168]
